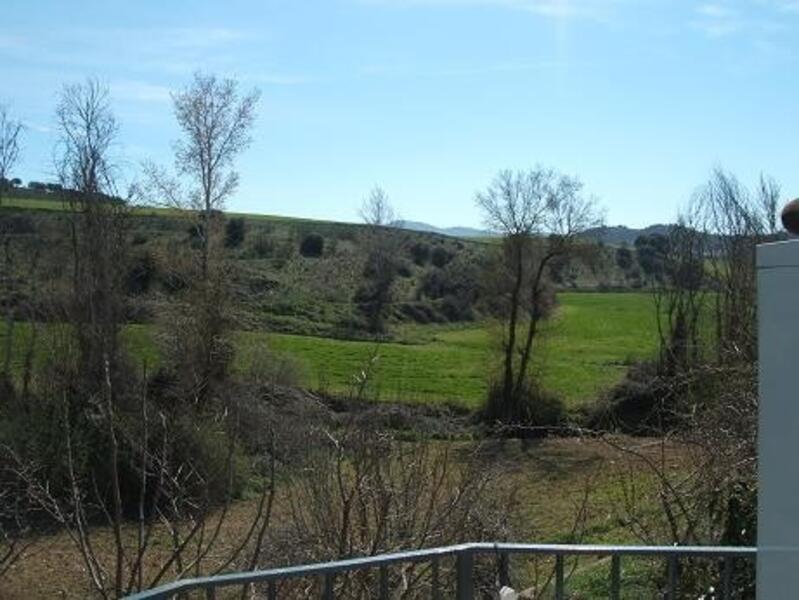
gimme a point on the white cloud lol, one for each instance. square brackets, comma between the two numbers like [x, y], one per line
[716, 19]
[556, 9]
[282, 80]
[103, 49]
[784, 6]
[757, 18]
[139, 91]
[196, 37]
[37, 127]
[716, 11]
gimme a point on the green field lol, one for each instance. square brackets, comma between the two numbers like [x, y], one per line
[32, 204]
[54, 204]
[584, 350]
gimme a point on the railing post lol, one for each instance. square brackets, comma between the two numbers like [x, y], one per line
[559, 584]
[272, 590]
[210, 593]
[436, 585]
[671, 593]
[383, 582]
[464, 567]
[504, 570]
[328, 595]
[726, 585]
[615, 577]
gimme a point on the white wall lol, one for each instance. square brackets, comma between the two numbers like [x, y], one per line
[778, 438]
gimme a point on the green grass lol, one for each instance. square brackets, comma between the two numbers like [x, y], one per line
[54, 204]
[32, 203]
[589, 345]
[584, 350]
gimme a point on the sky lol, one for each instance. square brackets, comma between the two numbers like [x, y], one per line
[430, 98]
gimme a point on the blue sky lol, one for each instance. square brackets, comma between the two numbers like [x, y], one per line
[429, 98]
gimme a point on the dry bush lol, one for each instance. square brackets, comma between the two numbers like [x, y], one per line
[704, 390]
[362, 493]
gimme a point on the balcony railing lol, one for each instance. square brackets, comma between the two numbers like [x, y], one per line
[464, 555]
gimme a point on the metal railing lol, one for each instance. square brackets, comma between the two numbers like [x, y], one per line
[464, 555]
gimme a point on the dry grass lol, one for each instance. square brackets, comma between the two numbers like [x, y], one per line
[567, 491]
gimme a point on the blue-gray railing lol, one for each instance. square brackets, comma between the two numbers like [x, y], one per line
[464, 555]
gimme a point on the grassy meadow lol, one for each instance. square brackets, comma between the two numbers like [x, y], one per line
[584, 350]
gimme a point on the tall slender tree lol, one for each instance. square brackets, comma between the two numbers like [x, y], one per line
[216, 121]
[10, 136]
[540, 215]
[374, 296]
[98, 225]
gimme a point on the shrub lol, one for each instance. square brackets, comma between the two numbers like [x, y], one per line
[457, 308]
[173, 282]
[530, 406]
[312, 246]
[195, 232]
[456, 285]
[263, 247]
[624, 258]
[633, 405]
[440, 257]
[401, 503]
[235, 231]
[420, 312]
[420, 253]
[404, 269]
[16, 224]
[268, 368]
[141, 274]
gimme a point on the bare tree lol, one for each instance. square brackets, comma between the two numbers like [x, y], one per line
[95, 308]
[680, 297]
[98, 226]
[705, 386]
[736, 220]
[376, 210]
[360, 492]
[10, 134]
[540, 215]
[383, 245]
[216, 122]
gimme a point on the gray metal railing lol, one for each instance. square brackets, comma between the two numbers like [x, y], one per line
[464, 555]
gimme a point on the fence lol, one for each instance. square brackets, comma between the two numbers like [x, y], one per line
[465, 555]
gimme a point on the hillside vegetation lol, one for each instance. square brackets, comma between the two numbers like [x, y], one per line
[297, 301]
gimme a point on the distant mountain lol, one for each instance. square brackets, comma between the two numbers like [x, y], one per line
[614, 236]
[619, 234]
[462, 232]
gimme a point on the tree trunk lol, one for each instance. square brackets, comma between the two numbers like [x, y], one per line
[532, 328]
[507, 383]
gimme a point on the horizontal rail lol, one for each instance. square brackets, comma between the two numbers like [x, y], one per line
[328, 569]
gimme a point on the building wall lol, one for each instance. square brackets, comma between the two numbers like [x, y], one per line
[778, 440]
